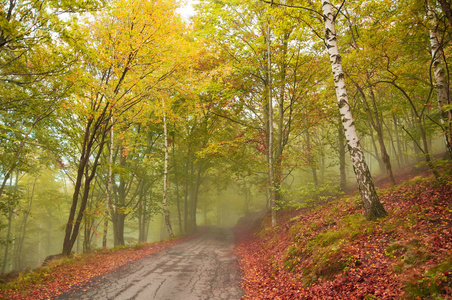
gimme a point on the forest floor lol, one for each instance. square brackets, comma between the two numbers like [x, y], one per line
[323, 250]
[328, 250]
[66, 274]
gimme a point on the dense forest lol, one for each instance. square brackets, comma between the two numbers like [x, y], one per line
[123, 122]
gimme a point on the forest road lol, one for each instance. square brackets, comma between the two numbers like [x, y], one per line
[201, 268]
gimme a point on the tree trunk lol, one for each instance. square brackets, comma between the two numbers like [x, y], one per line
[271, 179]
[281, 135]
[375, 154]
[194, 200]
[24, 226]
[179, 214]
[445, 6]
[441, 80]
[372, 206]
[176, 180]
[10, 220]
[393, 146]
[342, 166]
[119, 209]
[144, 213]
[397, 136]
[379, 129]
[310, 157]
[165, 180]
[187, 192]
[418, 119]
[73, 224]
[141, 212]
[108, 205]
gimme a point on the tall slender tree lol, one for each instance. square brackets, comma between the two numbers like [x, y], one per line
[441, 80]
[372, 206]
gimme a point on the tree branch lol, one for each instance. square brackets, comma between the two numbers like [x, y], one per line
[292, 6]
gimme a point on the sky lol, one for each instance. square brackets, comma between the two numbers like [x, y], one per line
[188, 11]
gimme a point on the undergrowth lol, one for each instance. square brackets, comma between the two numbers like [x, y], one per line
[332, 251]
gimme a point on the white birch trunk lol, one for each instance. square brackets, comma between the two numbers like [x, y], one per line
[441, 83]
[372, 206]
[271, 178]
[165, 179]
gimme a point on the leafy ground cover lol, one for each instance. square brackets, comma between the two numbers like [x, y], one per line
[65, 274]
[330, 251]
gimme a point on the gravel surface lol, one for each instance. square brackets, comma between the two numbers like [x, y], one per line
[201, 268]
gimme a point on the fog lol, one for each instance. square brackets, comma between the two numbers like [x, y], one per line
[42, 202]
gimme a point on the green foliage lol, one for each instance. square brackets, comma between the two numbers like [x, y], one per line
[310, 195]
[323, 192]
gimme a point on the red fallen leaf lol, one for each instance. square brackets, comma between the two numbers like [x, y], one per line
[67, 276]
[262, 257]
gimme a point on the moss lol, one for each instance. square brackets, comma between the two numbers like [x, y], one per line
[395, 250]
[415, 257]
[388, 227]
[325, 253]
[326, 263]
[292, 257]
[433, 285]
[398, 268]
[410, 253]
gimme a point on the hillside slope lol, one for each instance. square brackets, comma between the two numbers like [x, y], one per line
[330, 251]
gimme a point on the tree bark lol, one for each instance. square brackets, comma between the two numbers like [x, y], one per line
[176, 180]
[281, 135]
[10, 221]
[194, 200]
[24, 226]
[187, 192]
[95, 132]
[165, 179]
[375, 124]
[108, 205]
[270, 131]
[342, 166]
[445, 6]
[399, 144]
[372, 206]
[119, 213]
[441, 80]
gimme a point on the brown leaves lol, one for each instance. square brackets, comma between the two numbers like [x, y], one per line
[66, 274]
[332, 253]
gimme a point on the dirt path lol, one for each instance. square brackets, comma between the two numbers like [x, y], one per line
[201, 268]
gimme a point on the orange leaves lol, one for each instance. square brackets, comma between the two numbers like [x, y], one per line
[335, 256]
[64, 275]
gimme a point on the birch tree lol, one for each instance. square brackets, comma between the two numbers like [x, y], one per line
[165, 176]
[441, 81]
[373, 208]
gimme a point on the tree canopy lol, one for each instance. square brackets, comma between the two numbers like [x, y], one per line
[130, 116]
